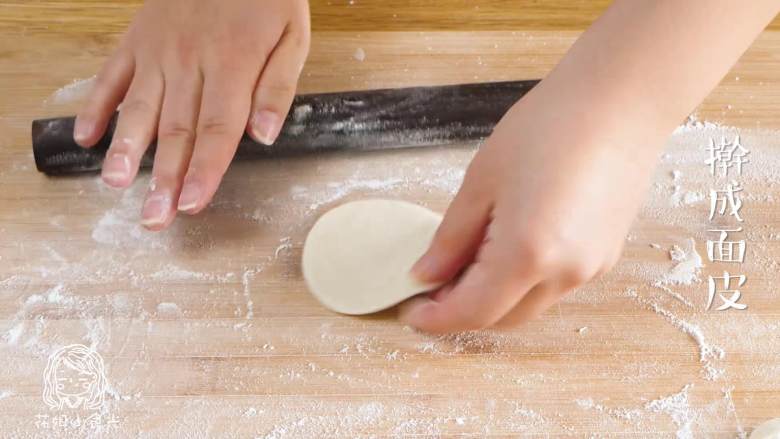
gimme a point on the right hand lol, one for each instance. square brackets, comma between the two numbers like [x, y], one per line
[544, 208]
[195, 75]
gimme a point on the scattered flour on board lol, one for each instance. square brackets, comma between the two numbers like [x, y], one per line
[445, 180]
[708, 353]
[688, 267]
[74, 91]
[359, 55]
[31, 321]
[120, 226]
[168, 309]
[686, 416]
[676, 406]
[284, 245]
[116, 232]
[337, 190]
[682, 197]
[685, 271]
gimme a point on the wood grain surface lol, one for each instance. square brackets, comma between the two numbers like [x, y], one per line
[207, 330]
[101, 17]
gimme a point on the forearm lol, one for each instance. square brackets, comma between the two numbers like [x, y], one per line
[653, 60]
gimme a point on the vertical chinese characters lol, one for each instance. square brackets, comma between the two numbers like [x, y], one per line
[726, 160]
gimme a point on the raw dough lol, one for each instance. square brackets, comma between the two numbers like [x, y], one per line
[357, 257]
[767, 430]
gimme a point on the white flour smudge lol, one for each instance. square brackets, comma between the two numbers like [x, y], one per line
[688, 267]
[168, 309]
[76, 90]
[284, 245]
[708, 353]
[120, 226]
[337, 190]
[359, 55]
[678, 407]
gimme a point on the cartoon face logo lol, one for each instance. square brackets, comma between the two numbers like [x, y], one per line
[75, 378]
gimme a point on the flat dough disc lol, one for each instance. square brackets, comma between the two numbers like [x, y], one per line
[767, 430]
[357, 257]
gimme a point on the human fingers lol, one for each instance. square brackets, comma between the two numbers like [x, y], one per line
[275, 90]
[175, 142]
[108, 90]
[136, 127]
[224, 111]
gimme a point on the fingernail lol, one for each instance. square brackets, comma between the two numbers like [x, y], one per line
[190, 196]
[266, 126]
[156, 209]
[116, 169]
[425, 268]
[81, 131]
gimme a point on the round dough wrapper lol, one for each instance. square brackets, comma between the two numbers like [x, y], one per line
[767, 430]
[357, 257]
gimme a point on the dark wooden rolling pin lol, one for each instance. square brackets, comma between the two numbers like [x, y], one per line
[357, 120]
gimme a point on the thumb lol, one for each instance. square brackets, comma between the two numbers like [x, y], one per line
[458, 238]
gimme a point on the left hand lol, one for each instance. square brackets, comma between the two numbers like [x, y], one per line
[194, 74]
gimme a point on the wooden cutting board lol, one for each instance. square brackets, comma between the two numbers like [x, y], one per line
[207, 330]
